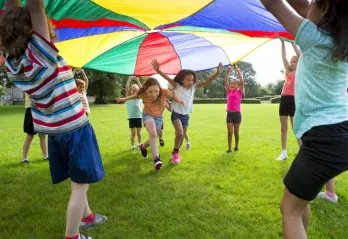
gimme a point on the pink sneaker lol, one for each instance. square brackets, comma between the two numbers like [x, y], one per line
[175, 158]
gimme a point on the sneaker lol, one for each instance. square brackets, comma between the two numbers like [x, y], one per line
[175, 158]
[324, 196]
[133, 147]
[188, 145]
[282, 157]
[99, 219]
[84, 237]
[228, 151]
[143, 152]
[25, 161]
[161, 142]
[46, 159]
[236, 149]
[157, 163]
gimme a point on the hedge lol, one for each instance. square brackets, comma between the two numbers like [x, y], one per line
[210, 101]
[275, 100]
[265, 98]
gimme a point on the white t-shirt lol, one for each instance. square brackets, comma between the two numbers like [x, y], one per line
[187, 96]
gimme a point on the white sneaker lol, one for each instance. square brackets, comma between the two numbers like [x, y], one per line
[188, 145]
[282, 157]
[324, 196]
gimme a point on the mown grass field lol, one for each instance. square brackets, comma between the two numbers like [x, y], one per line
[209, 195]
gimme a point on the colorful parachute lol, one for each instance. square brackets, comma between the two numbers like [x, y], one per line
[123, 36]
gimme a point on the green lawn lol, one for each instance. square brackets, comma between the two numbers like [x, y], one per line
[209, 195]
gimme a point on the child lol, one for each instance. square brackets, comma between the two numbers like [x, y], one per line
[234, 93]
[154, 99]
[321, 116]
[287, 100]
[29, 130]
[185, 85]
[82, 86]
[134, 110]
[33, 65]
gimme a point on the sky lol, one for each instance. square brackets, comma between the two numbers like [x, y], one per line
[267, 61]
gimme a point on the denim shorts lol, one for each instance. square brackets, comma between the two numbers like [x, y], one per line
[157, 120]
[183, 118]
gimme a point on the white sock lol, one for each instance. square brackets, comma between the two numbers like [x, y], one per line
[284, 152]
[133, 146]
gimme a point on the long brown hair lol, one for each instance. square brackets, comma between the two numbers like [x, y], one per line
[148, 83]
[15, 31]
[335, 23]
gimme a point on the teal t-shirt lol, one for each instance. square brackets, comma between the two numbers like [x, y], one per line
[134, 109]
[321, 83]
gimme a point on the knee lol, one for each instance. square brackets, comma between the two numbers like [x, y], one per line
[229, 131]
[30, 137]
[180, 134]
[284, 128]
[153, 135]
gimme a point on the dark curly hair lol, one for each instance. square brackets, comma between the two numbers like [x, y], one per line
[15, 31]
[335, 23]
[179, 78]
[148, 83]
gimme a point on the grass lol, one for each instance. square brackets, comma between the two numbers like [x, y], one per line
[209, 195]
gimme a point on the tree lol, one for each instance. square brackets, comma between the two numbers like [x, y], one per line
[105, 86]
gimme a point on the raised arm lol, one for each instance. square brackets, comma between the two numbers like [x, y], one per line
[300, 6]
[227, 84]
[138, 82]
[127, 85]
[85, 78]
[213, 77]
[296, 49]
[12, 3]
[38, 18]
[173, 97]
[285, 60]
[131, 97]
[156, 67]
[285, 14]
[241, 79]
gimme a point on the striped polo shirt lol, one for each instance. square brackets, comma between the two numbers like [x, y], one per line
[46, 77]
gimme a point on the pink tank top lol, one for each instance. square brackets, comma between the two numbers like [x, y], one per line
[234, 98]
[289, 84]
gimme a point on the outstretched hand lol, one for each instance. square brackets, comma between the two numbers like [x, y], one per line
[228, 69]
[219, 68]
[236, 68]
[182, 102]
[120, 100]
[155, 65]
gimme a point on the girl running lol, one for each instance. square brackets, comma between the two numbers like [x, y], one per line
[154, 98]
[287, 100]
[321, 116]
[185, 85]
[234, 91]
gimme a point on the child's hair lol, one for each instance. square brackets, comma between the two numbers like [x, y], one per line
[179, 78]
[15, 31]
[134, 86]
[335, 23]
[148, 83]
[79, 82]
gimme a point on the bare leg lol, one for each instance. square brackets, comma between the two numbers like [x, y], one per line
[229, 135]
[26, 145]
[132, 135]
[76, 208]
[330, 186]
[43, 145]
[139, 135]
[152, 141]
[179, 134]
[236, 134]
[186, 136]
[299, 142]
[296, 215]
[284, 131]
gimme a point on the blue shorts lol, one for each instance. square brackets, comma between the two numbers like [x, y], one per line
[183, 118]
[75, 155]
[158, 120]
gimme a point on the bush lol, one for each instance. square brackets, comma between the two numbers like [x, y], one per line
[224, 101]
[275, 100]
[265, 98]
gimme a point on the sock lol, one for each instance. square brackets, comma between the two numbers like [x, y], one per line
[133, 146]
[77, 236]
[284, 152]
[330, 195]
[89, 219]
[156, 158]
[175, 151]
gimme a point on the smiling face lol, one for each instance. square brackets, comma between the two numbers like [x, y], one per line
[81, 88]
[134, 89]
[153, 91]
[188, 81]
[234, 85]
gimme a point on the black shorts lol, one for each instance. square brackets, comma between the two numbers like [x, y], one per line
[135, 123]
[28, 125]
[287, 106]
[323, 156]
[234, 117]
